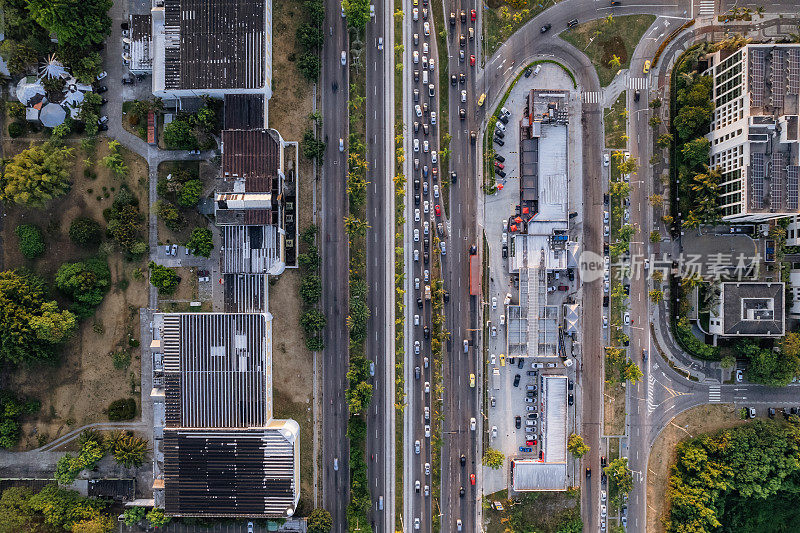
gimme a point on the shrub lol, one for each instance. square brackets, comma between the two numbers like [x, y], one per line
[16, 129]
[31, 243]
[15, 110]
[121, 359]
[200, 242]
[163, 278]
[124, 409]
[189, 195]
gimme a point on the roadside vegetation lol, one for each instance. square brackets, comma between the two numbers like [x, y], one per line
[310, 37]
[718, 481]
[128, 451]
[609, 42]
[501, 18]
[543, 512]
[615, 121]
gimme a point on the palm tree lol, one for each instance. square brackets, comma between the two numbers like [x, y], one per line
[615, 62]
[609, 18]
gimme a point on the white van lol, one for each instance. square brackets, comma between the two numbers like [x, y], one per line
[425, 77]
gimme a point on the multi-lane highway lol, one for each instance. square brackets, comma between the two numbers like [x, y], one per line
[334, 82]
[379, 68]
[463, 312]
[423, 213]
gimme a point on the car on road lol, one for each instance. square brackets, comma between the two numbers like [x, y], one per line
[463, 16]
[416, 320]
[606, 160]
[605, 322]
[418, 111]
[472, 15]
[646, 68]
[588, 473]
[751, 411]
[602, 495]
[494, 302]
[472, 60]
[462, 113]
[437, 210]
[571, 399]
[416, 449]
[502, 359]
[416, 523]
[518, 422]
[344, 58]
[426, 28]
[427, 490]
[466, 345]
[427, 431]
[473, 424]
[416, 372]
[458, 525]
[572, 23]
[494, 432]
[100, 89]
[416, 347]
[336, 464]
[603, 511]
[341, 144]
[739, 375]
[472, 479]
[380, 43]
[627, 318]
[472, 380]
[545, 28]
[461, 492]
[463, 459]
[516, 380]
[427, 387]
[417, 485]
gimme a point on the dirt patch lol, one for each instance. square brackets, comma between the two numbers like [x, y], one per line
[614, 46]
[291, 361]
[614, 409]
[533, 511]
[76, 391]
[691, 423]
[187, 288]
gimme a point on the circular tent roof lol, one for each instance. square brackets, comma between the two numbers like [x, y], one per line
[52, 115]
[27, 89]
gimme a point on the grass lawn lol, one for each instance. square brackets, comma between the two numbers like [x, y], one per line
[543, 512]
[615, 124]
[501, 20]
[601, 40]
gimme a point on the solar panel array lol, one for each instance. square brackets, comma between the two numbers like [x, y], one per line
[793, 77]
[792, 173]
[757, 78]
[776, 172]
[757, 181]
[778, 77]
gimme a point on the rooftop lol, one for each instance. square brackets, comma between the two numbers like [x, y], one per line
[752, 309]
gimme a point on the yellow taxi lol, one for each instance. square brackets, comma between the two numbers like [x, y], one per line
[646, 68]
[502, 360]
[481, 99]
[472, 380]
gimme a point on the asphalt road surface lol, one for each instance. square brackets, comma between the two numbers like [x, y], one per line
[380, 262]
[334, 84]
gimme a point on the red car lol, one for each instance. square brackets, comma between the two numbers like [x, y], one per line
[530, 443]
[473, 15]
[472, 60]
[499, 165]
[472, 478]
[437, 210]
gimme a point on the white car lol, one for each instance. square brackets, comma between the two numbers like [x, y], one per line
[416, 145]
[426, 228]
[427, 431]
[502, 319]
[416, 215]
[473, 424]
[341, 144]
[416, 447]
[416, 347]
[603, 511]
[466, 345]
[627, 319]
[605, 322]
[494, 331]
[431, 64]
[380, 43]
[427, 387]
[416, 283]
[436, 192]
[492, 359]
[433, 117]
[424, 145]
[606, 160]
[418, 110]
[415, 14]
[416, 520]
[416, 56]
[425, 47]
[416, 235]
[416, 320]
[416, 255]
[426, 28]
[434, 157]
[427, 469]
[494, 432]
[602, 496]
[102, 75]
[344, 58]
[463, 95]
[167, 249]
[426, 207]
[494, 302]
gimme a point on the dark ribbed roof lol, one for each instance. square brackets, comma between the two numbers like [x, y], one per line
[253, 155]
[244, 111]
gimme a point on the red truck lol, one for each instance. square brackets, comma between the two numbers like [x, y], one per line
[474, 275]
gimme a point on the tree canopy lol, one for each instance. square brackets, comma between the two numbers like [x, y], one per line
[319, 521]
[37, 175]
[51, 509]
[163, 278]
[772, 367]
[32, 327]
[200, 242]
[741, 479]
[11, 409]
[80, 23]
[86, 282]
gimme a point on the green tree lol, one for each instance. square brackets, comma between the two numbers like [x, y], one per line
[114, 159]
[31, 242]
[357, 12]
[200, 242]
[312, 321]
[631, 372]
[20, 57]
[133, 515]
[628, 166]
[85, 282]
[576, 446]
[85, 232]
[728, 361]
[167, 212]
[309, 36]
[130, 451]
[123, 409]
[315, 343]
[178, 135]
[157, 518]
[82, 24]
[655, 236]
[311, 289]
[656, 295]
[319, 521]
[494, 459]
[313, 149]
[619, 473]
[190, 192]
[12, 408]
[163, 278]
[31, 326]
[36, 175]
[696, 152]
[309, 65]
[67, 469]
[664, 140]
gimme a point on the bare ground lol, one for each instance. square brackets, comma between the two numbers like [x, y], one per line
[78, 390]
[614, 409]
[691, 423]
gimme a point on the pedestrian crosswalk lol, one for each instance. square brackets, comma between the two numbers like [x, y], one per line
[706, 7]
[638, 83]
[714, 394]
[591, 97]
